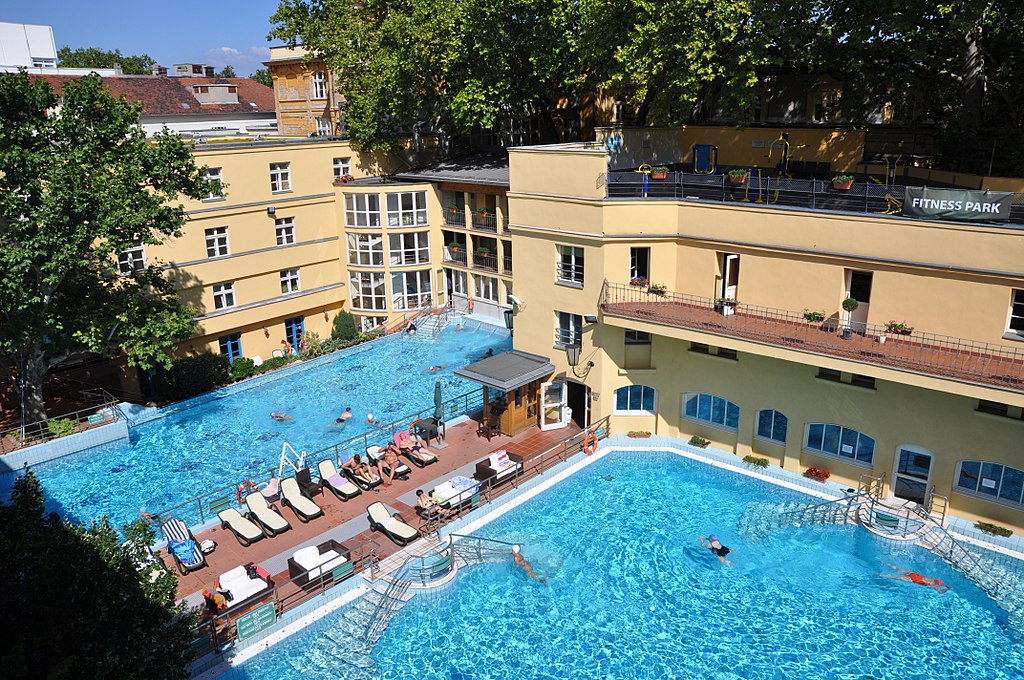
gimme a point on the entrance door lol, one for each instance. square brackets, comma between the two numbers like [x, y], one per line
[912, 474]
[578, 400]
[553, 411]
[859, 288]
[730, 276]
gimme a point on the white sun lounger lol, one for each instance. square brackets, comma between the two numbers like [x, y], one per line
[341, 487]
[266, 515]
[393, 527]
[244, 530]
[304, 508]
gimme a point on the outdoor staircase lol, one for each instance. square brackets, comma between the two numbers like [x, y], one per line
[429, 326]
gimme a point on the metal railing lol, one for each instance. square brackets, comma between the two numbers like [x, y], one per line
[943, 356]
[488, 262]
[455, 218]
[506, 265]
[101, 409]
[762, 190]
[457, 256]
[488, 222]
[569, 273]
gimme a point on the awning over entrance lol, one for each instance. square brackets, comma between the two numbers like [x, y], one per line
[508, 370]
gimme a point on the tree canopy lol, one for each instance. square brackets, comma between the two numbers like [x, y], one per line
[263, 77]
[78, 603]
[95, 57]
[79, 185]
[227, 72]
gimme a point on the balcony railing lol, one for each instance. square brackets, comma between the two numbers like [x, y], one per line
[457, 256]
[506, 265]
[455, 218]
[569, 273]
[942, 356]
[488, 262]
[488, 222]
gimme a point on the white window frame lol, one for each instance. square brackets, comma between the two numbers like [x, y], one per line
[460, 281]
[323, 126]
[280, 177]
[568, 329]
[362, 210]
[290, 281]
[342, 167]
[318, 82]
[712, 419]
[1015, 324]
[996, 485]
[224, 295]
[365, 250]
[411, 290]
[368, 323]
[852, 460]
[215, 175]
[409, 248]
[570, 265]
[217, 242]
[485, 288]
[284, 231]
[634, 262]
[131, 260]
[770, 437]
[407, 209]
[639, 410]
[368, 287]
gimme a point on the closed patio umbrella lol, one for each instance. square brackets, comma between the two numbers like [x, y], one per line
[438, 402]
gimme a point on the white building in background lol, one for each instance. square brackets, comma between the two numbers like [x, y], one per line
[32, 48]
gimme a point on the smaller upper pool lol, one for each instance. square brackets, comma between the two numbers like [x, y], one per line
[196, 450]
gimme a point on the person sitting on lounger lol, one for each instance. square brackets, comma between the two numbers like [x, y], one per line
[358, 467]
[280, 415]
[388, 463]
[428, 507]
[524, 564]
[714, 546]
[407, 442]
[914, 577]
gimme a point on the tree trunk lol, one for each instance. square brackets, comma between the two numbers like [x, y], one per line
[973, 77]
[34, 405]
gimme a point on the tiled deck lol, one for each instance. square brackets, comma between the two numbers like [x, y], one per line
[938, 356]
[464, 450]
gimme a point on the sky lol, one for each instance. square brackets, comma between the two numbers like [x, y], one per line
[214, 32]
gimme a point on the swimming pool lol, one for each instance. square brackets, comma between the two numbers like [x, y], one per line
[633, 595]
[221, 441]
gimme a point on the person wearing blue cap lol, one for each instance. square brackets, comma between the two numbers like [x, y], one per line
[712, 544]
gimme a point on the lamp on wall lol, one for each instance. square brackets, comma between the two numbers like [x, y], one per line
[590, 318]
[271, 211]
[266, 332]
[509, 320]
[572, 354]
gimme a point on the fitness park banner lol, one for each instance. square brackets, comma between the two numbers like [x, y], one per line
[963, 205]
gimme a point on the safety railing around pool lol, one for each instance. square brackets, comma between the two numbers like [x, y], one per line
[201, 509]
[101, 408]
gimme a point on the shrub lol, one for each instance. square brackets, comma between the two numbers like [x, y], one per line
[814, 316]
[850, 305]
[638, 434]
[272, 364]
[817, 474]
[843, 179]
[993, 529]
[344, 327]
[755, 461]
[699, 441]
[314, 347]
[242, 368]
[739, 172]
[60, 427]
[193, 375]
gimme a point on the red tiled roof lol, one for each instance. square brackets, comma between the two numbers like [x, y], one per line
[162, 95]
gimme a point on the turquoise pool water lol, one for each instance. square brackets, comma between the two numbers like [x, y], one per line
[199, 449]
[633, 595]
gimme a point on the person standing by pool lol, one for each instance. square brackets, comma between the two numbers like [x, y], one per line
[712, 543]
[913, 577]
[524, 564]
[288, 349]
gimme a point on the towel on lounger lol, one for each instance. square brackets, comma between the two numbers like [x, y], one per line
[185, 551]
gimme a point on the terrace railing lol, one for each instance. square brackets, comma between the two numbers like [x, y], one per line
[488, 222]
[488, 262]
[455, 218]
[506, 265]
[457, 256]
[942, 356]
[101, 408]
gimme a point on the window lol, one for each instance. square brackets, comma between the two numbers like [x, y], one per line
[284, 228]
[570, 328]
[486, 288]
[407, 209]
[289, 281]
[570, 265]
[368, 291]
[362, 210]
[224, 295]
[772, 425]
[132, 260]
[457, 281]
[837, 440]
[366, 250]
[323, 126]
[342, 167]
[996, 409]
[711, 409]
[634, 399]
[413, 248]
[214, 175]
[638, 338]
[1017, 312]
[319, 85]
[280, 177]
[368, 323]
[217, 242]
[294, 330]
[991, 480]
[411, 290]
[855, 379]
[700, 348]
[830, 375]
[640, 263]
[231, 345]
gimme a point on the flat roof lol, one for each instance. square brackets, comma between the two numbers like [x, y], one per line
[489, 169]
[508, 370]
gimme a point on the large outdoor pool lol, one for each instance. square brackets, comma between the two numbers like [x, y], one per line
[633, 595]
[232, 437]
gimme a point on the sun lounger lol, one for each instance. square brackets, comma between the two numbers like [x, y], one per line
[339, 486]
[375, 454]
[245, 530]
[182, 546]
[291, 496]
[392, 527]
[417, 455]
[363, 483]
[266, 515]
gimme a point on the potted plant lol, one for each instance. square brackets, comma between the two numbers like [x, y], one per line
[849, 306]
[638, 281]
[453, 208]
[817, 474]
[483, 250]
[842, 182]
[638, 434]
[993, 529]
[738, 176]
[814, 316]
[659, 172]
[726, 306]
[455, 246]
[755, 461]
[699, 442]
[898, 328]
[657, 289]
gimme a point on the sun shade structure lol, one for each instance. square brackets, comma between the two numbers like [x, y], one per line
[508, 370]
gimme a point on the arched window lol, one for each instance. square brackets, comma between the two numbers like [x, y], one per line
[711, 409]
[635, 400]
[840, 441]
[772, 425]
[991, 480]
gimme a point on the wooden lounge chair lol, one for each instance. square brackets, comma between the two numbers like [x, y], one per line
[246, 531]
[291, 496]
[394, 527]
[182, 546]
[266, 515]
[339, 486]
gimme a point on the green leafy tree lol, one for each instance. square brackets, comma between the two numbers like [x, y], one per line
[263, 77]
[227, 72]
[95, 57]
[78, 603]
[344, 327]
[79, 184]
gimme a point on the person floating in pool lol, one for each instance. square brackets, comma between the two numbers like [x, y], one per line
[345, 415]
[524, 564]
[370, 419]
[439, 367]
[280, 415]
[712, 544]
[488, 353]
[914, 577]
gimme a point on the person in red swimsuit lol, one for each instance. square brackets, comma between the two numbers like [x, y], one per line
[914, 577]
